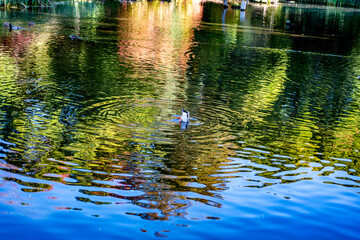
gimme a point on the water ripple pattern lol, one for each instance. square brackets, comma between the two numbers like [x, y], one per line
[89, 135]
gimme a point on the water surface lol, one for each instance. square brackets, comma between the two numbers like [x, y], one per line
[88, 143]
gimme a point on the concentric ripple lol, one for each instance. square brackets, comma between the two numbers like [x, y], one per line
[88, 126]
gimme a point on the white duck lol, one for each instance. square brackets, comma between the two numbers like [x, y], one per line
[185, 116]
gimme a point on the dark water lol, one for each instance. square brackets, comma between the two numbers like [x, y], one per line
[88, 143]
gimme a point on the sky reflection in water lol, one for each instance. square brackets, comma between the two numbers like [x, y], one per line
[88, 143]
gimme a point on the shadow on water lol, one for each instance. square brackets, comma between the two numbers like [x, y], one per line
[89, 121]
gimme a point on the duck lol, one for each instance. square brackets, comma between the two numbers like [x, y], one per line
[74, 37]
[11, 27]
[185, 116]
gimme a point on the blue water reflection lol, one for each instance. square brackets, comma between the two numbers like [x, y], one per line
[89, 143]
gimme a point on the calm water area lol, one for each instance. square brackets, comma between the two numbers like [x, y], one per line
[90, 147]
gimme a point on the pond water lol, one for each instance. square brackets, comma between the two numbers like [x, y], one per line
[89, 147]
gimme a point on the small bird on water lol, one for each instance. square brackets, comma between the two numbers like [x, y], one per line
[12, 27]
[73, 37]
[185, 116]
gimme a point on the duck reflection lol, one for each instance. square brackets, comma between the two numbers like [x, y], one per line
[184, 126]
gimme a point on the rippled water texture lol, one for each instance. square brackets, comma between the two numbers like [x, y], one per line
[90, 147]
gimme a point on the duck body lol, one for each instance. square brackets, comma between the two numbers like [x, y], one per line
[73, 37]
[185, 116]
[12, 27]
